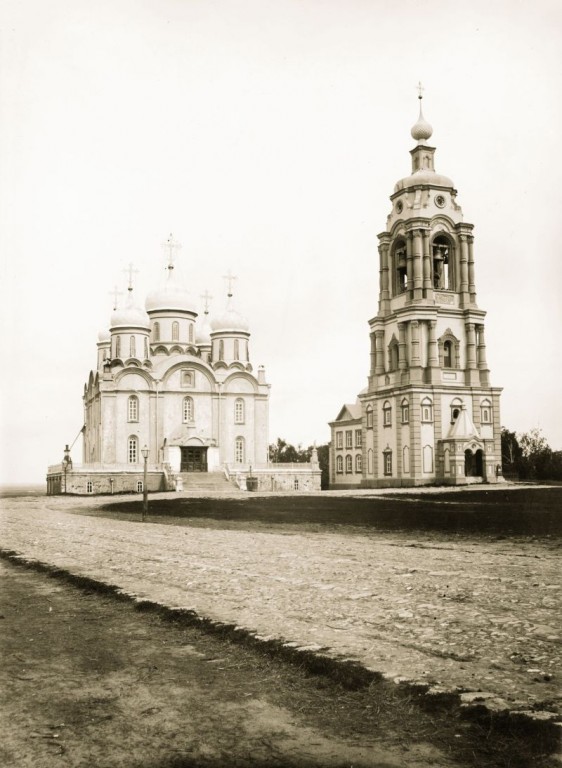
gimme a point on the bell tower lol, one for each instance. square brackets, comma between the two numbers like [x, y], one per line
[429, 414]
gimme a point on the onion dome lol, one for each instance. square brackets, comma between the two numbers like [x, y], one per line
[171, 296]
[422, 130]
[231, 320]
[129, 317]
[203, 335]
[424, 176]
[104, 336]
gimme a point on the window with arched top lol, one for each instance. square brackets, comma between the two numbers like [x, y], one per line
[405, 411]
[239, 411]
[133, 450]
[400, 267]
[221, 350]
[348, 464]
[145, 348]
[175, 331]
[118, 346]
[426, 407]
[188, 410]
[387, 414]
[393, 355]
[427, 454]
[339, 465]
[236, 349]
[406, 460]
[449, 350]
[359, 463]
[448, 354]
[133, 408]
[442, 263]
[239, 450]
[486, 412]
[191, 333]
[387, 461]
[132, 347]
[156, 331]
[369, 414]
[456, 407]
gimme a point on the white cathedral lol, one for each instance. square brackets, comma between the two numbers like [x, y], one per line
[428, 414]
[180, 393]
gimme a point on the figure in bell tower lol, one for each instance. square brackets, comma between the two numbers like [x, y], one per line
[428, 354]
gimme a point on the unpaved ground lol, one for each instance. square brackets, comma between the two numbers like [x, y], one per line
[89, 681]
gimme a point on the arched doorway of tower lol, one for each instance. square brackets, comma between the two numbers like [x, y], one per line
[473, 463]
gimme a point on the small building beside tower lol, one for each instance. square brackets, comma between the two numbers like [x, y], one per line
[428, 413]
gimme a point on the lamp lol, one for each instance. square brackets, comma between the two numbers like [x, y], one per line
[144, 453]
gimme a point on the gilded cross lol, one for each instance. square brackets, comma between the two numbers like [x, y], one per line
[421, 89]
[230, 278]
[130, 271]
[171, 246]
[115, 293]
[206, 298]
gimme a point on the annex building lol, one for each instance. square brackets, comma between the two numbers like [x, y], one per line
[428, 414]
[180, 390]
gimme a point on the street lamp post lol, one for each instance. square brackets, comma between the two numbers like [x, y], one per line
[144, 452]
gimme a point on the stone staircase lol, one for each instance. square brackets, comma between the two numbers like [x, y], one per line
[207, 483]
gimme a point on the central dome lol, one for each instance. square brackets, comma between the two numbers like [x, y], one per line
[425, 177]
[170, 296]
[129, 317]
[231, 320]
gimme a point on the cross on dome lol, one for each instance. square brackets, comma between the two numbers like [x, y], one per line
[130, 271]
[206, 298]
[421, 89]
[115, 293]
[230, 278]
[171, 246]
[422, 130]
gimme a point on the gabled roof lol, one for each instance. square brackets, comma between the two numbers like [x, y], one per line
[463, 428]
[349, 412]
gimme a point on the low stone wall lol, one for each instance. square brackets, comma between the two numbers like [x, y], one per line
[84, 482]
[278, 477]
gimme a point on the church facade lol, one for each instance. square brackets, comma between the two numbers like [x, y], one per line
[428, 413]
[180, 390]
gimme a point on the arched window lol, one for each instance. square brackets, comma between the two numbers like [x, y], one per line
[139, 486]
[369, 417]
[359, 463]
[486, 412]
[156, 331]
[405, 410]
[400, 268]
[133, 408]
[221, 350]
[339, 464]
[387, 414]
[145, 348]
[239, 409]
[448, 354]
[239, 450]
[426, 410]
[442, 264]
[188, 410]
[191, 333]
[118, 346]
[427, 458]
[296, 484]
[393, 355]
[175, 331]
[370, 461]
[456, 406]
[133, 449]
[348, 464]
[236, 349]
[406, 460]
[132, 347]
[89, 487]
[387, 461]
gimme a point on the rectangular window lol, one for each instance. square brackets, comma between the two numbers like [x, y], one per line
[349, 438]
[339, 439]
[358, 438]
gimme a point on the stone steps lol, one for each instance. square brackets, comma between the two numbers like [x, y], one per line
[206, 481]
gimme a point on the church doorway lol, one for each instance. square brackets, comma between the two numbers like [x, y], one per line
[193, 459]
[473, 464]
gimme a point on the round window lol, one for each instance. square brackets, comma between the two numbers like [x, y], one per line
[399, 206]
[440, 201]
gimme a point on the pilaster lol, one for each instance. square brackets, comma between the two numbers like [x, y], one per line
[482, 363]
[418, 279]
[427, 286]
[415, 366]
[465, 298]
[472, 376]
[410, 265]
[433, 355]
[402, 360]
[379, 352]
[471, 277]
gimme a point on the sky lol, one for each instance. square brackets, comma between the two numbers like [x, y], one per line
[267, 137]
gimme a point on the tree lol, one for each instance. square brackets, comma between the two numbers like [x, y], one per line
[511, 453]
[282, 452]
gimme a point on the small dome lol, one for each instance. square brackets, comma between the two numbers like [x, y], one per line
[104, 336]
[231, 320]
[424, 176]
[170, 296]
[130, 317]
[422, 130]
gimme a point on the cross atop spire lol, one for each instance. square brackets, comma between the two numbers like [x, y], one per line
[115, 293]
[130, 271]
[171, 246]
[206, 298]
[421, 89]
[230, 278]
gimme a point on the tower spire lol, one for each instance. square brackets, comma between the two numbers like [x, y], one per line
[421, 130]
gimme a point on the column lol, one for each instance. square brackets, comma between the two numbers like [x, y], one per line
[415, 364]
[433, 354]
[471, 372]
[427, 287]
[410, 265]
[402, 361]
[464, 267]
[384, 277]
[471, 280]
[481, 353]
[379, 352]
[373, 353]
[418, 280]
